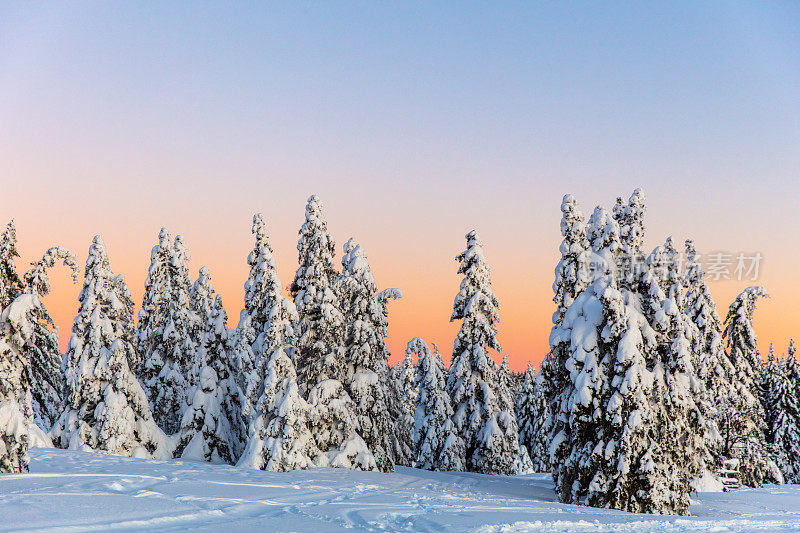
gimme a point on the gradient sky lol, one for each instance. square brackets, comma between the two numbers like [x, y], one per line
[414, 122]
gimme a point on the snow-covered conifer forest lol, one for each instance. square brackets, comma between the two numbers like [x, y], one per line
[650, 394]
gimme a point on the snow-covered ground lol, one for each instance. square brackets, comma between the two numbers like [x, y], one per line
[77, 491]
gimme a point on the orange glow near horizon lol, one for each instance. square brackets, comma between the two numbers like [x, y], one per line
[428, 279]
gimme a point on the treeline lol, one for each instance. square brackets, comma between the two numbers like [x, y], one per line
[645, 396]
[300, 382]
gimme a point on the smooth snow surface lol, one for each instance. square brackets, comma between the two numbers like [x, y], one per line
[80, 491]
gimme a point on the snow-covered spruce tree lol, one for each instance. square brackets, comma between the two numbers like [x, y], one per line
[184, 319]
[201, 300]
[505, 390]
[106, 409]
[603, 451]
[572, 275]
[683, 407]
[157, 292]
[742, 340]
[166, 323]
[525, 407]
[267, 322]
[319, 355]
[402, 379]
[532, 413]
[366, 354]
[679, 400]
[636, 473]
[741, 420]
[258, 302]
[41, 350]
[508, 436]
[786, 428]
[15, 409]
[212, 428]
[767, 384]
[254, 315]
[122, 315]
[576, 427]
[714, 366]
[280, 439]
[321, 323]
[472, 382]
[438, 446]
[10, 283]
[712, 363]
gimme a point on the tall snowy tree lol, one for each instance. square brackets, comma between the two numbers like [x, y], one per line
[123, 315]
[166, 323]
[679, 401]
[157, 292]
[572, 276]
[472, 382]
[321, 324]
[41, 349]
[576, 418]
[319, 355]
[532, 413]
[603, 449]
[183, 318]
[682, 405]
[38, 346]
[402, 380]
[267, 322]
[438, 446]
[768, 382]
[106, 409]
[786, 427]
[201, 300]
[742, 340]
[714, 366]
[366, 354]
[262, 292]
[742, 421]
[212, 428]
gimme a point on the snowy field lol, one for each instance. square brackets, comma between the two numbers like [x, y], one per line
[77, 491]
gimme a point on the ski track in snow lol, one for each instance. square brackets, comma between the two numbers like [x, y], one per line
[78, 491]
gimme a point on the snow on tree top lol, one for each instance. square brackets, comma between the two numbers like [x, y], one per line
[37, 279]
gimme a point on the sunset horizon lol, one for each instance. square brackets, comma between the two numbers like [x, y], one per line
[400, 266]
[528, 341]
